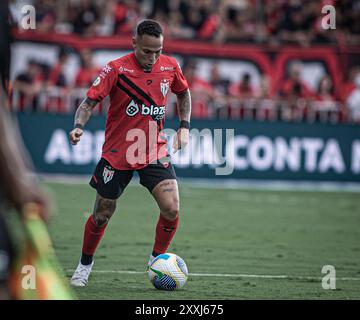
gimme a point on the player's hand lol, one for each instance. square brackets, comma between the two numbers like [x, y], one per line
[75, 135]
[181, 139]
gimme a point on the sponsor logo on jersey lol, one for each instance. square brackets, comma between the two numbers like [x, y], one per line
[123, 69]
[164, 86]
[96, 82]
[156, 112]
[162, 68]
[108, 174]
[132, 109]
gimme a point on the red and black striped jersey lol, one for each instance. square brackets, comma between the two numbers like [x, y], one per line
[137, 109]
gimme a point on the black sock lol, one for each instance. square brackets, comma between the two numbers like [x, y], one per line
[154, 254]
[86, 260]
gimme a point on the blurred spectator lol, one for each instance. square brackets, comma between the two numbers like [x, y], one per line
[56, 85]
[211, 21]
[175, 28]
[295, 93]
[243, 89]
[240, 97]
[349, 83]
[87, 72]
[272, 15]
[294, 86]
[220, 89]
[296, 26]
[27, 86]
[201, 90]
[84, 17]
[240, 26]
[46, 15]
[353, 100]
[348, 20]
[163, 7]
[57, 73]
[325, 92]
[126, 16]
[218, 82]
[266, 102]
[324, 103]
[194, 14]
[120, 17]
[264, 90]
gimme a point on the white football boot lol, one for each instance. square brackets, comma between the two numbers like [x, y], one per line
[81, 275]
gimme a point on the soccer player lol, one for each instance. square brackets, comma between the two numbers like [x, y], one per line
[138, 85]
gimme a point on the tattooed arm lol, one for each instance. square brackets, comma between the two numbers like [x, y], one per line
[184, 109]
[82, 116]
[184, 105]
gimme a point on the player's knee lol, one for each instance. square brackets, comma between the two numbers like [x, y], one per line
[103, 211]
[101, 218]
[171, 211]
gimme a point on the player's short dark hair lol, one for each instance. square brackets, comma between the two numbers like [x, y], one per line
[149, 27]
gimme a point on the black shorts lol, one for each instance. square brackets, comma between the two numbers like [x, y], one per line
[110, 182]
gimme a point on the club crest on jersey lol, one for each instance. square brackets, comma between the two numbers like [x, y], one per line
[164, 86]
[108, 174]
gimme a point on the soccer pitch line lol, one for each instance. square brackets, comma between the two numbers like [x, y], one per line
[235, 184]
[229, 275]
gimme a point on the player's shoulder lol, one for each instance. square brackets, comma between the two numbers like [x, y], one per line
[168, 62]
[121, 61]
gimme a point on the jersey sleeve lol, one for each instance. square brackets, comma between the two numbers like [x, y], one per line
[179, 83]
[103, 84]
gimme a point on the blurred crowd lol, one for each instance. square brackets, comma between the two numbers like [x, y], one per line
[294, 100]
[44, 88]
[272, 22]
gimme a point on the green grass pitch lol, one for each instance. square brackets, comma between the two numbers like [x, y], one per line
[238, 244]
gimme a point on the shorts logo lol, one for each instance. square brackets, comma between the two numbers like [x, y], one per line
[108, 174]
[132, 109]
[164, 86]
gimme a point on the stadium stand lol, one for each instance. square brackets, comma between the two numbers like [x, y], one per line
[247, 61]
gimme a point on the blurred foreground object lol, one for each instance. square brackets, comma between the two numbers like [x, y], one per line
[21, 193]
[37, 251]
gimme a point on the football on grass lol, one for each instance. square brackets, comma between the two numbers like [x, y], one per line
[168, 272]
